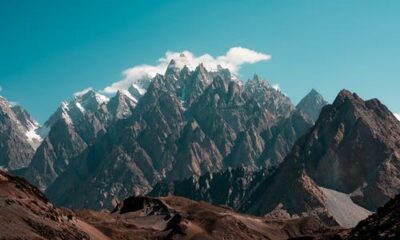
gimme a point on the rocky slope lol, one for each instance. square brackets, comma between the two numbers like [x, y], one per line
[17, 137]
[25, 213]
[229, 187]
[188, 123]
[384, 224]
[180, 218]
[25, 209]
[352, 139]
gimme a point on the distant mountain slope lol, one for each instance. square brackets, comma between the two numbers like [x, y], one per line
[312, 104]
[227, 187]
[353, 148]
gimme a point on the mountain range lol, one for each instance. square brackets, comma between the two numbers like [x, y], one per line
[209, 137]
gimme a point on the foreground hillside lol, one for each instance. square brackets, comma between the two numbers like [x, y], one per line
[25, 209]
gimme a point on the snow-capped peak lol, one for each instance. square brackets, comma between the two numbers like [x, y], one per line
[136, 91]
[84, 96]
[128, 95]
[101, 98]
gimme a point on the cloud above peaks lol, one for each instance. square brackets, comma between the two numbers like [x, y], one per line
[397, 116]
[233, 60]
[83, 92]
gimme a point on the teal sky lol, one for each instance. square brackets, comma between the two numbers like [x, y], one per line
[49, 49]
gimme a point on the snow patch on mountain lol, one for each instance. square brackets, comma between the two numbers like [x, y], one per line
[101, 99]
[33, 137]
[276, 87]
[141, 90]
[79, 106]
[64, 113]
[397, 116]
[129, 95]
[83, 92]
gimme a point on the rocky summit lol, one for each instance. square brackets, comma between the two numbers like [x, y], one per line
[352, 139]
[312, 104]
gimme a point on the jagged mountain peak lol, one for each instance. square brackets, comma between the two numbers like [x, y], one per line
[24, 117]
[121, 105]
[346, 95]
[185, 72]
[90, 98]
[312, 104]
[257, 80]
[267, 96]
[352, 139]
[136, 91]
[202, 74]
[29, 124]
[226, 73]
[172, 69]
[368, 126]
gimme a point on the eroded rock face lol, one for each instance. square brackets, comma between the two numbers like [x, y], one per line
[352, 139]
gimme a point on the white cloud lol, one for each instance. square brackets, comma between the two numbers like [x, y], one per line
[397, 116]
[233, 59]
[83, 92]
[13, 103]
